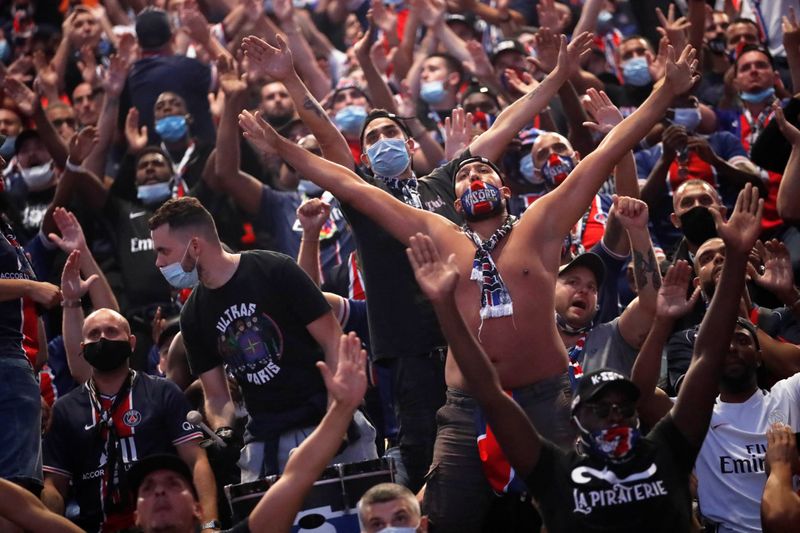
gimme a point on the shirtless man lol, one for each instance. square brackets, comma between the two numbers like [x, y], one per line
[512, 261]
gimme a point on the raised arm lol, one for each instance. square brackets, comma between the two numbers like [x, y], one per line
[278, 507]
[692, 411]
[634, 323]
[789, 189]
[393, 215]
[73, 289]
[25, 510]
[312, 215]
[671, 305]
[780, 504]
[569, 200]
[277, 64]
[438, 280]
[492, 143]
[791, 44]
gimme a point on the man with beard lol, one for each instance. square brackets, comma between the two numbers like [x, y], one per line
[276, 105]
[512, 260]
[117, 417]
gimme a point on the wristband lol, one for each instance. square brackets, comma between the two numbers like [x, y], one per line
[72, 167]
[72, 304]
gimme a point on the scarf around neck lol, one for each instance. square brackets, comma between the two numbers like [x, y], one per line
[405, 190]
[495, 298]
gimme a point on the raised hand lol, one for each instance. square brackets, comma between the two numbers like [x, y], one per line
[547, 48]
[432, 12]
[674, 139]
[521, 82]
[312, 215]
[264, 59]
[457, 132]
[702, 148]
[437, 279]
[72, 237]
[113, 80]
[384, 17]
[552, 15]
[658, 65]
[602, 110]
[777, 276]
[82, 143]
[632, 213]
[128, 49]
[363, 45]
[671, 301]
[782, 448]
[681, 74]
[195, 24]
[136, 136]
[791, 30]
[789, 131]
[742, 229]
[229, 80]
[258, 132]
[72, 286]
[88, 65]
[479, 65]
[673, 29]
[348, 385]
[45, 73]
[26, 100]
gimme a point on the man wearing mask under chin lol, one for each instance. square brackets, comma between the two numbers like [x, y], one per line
[30, 180]
[116, 418]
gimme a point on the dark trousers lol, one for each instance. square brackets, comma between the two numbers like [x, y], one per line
[419, 391]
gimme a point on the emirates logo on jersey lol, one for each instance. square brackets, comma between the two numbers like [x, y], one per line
[132, 418]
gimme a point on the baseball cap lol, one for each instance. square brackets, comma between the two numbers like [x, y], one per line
[592, 384]
[589, 260]
[23, 137]
[508, 45]
[152, 463]
[152, 28]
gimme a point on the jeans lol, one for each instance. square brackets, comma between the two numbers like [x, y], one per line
[419, 391]
[20, 418]
[457, 496]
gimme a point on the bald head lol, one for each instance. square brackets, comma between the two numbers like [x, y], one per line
[105, 323]
[548, 143]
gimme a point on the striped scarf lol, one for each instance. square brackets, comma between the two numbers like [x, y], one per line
[495, 299]
[405, 190]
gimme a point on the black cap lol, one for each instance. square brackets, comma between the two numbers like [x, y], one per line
[23, 137]
[476, 158]
[152, 28]
[509, 45]
[592, 384]
[589, 260]
[152, 463]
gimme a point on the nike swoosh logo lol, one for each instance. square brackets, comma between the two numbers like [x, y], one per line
[88, 427]
[138, 214]
[720, 425]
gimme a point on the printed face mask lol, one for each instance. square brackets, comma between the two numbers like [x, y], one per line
[388, 158]
[351, 119]
[698, 225]
[556, 169]
[154, 193]
[106, 355]
[172, 128]
[718, 45]
[614, 443]
[635, 72]
[432, 92]
[481, 200]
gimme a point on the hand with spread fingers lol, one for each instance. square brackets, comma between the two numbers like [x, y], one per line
[742, 229]
[671, 301]
[600, 107]
[348, 383]
[257, 131]
[267, 60]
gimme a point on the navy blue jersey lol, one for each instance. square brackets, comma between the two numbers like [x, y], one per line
[152, 419]
[12, 267]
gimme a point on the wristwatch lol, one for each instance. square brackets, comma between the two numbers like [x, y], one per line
[213, 524]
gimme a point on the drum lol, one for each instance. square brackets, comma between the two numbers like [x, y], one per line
[330, 506]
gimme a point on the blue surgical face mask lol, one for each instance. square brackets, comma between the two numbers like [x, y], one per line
[309, 188]
[172, 128]
[432, 92]
[604, 19]
[397, 529]
[388, 158]
[7, 148]
[526, 168]
[635, 72]
[688, 117]
[5, 50]
[179, 278]
[351, 119]
[39, 177]
[154, 193]
[758, 96]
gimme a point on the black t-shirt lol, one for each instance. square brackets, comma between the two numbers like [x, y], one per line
[649, 492]
[151, 420]
[11, 310]
[401, 319]
[255, 325]
[144, 284]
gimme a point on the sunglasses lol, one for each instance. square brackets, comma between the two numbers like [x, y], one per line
[604, 410]
[61, 121]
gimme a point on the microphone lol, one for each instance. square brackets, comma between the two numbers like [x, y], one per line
[194, 417]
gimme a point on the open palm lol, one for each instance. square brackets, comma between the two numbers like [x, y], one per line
[265, 59]
[671, 301]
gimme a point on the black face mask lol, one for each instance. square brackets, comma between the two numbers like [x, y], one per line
[107, 355]
[718, 45]
[698, 225]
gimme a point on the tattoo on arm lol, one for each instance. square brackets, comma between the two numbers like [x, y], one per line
[642, 268]
[312, 105]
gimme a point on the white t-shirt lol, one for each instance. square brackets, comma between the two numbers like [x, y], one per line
[731, 466]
